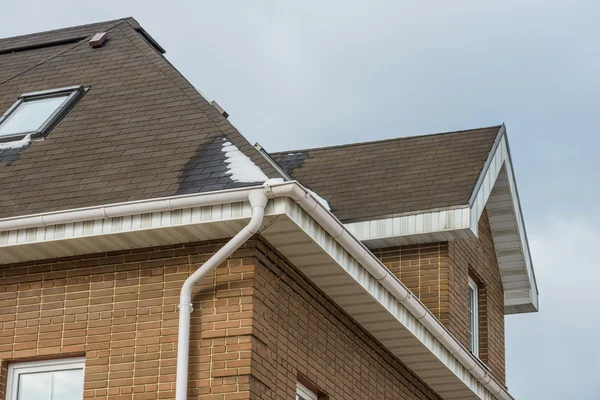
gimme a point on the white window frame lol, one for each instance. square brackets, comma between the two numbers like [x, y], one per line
[72, 93]
[474, 330]
[28, 367]
[302, 392]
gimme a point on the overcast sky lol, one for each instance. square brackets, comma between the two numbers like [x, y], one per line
[317, 73]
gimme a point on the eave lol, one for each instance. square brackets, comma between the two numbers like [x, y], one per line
[303, 231]
[496, 191]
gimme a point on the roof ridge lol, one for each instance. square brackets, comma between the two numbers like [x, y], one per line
[65, 29]
[117, 23]
[384, 140]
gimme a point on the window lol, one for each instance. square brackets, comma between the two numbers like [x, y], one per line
[46, 380]
[36, 113]
[304, 393]
[473, 317]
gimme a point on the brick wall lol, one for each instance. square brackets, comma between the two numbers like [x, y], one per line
[120, 311]
[258, 325]
[478, 259]
[425, 270]
[438, 273]
[300, 333]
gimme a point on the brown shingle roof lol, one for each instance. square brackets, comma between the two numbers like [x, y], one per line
[141, 131]
[378, 179]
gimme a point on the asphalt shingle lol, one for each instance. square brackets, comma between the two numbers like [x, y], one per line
[141, 131]
[379, 179]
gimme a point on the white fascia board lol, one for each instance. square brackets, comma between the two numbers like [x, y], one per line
[452, 222]
[497, 190]
[128, 208]
[133, 223]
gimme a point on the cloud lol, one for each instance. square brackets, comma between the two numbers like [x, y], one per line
[313, 73]
[553, 354]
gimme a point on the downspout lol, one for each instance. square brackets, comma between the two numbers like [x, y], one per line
[258, 201]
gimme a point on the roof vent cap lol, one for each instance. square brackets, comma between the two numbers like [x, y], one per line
[98, 40]
[219, 109]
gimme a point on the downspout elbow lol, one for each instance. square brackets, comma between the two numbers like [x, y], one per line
[258, 200]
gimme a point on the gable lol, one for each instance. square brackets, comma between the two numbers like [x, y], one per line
[141, 131]
[427, 189]
[494, 191]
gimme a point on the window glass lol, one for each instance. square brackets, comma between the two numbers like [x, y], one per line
[304, 393]
[471, 318]
[30, 115]
[35, 386]
[55, 385]
[67, 385]
[60, 379]
[473, 305]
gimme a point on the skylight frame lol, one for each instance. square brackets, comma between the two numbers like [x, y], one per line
[74, 94]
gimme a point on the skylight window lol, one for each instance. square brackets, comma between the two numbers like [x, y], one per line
[36, 113]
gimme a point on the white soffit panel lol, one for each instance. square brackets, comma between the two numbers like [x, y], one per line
[325, 262]
[136, 231]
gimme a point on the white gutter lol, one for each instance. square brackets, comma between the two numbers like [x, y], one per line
[123, 209]
[256, 195]
[258, 201]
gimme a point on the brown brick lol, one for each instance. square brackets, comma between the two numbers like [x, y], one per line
[257, 345]
[438, 274]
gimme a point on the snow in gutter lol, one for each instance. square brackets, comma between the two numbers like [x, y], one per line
[241, 168]
[17, 144]
[321, 200]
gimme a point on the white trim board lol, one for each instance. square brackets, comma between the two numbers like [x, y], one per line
[496, 191]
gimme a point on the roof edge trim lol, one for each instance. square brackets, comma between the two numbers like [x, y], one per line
[379, 141]
[150, 40]
[107, 211]
[271, 161]
[486, 165]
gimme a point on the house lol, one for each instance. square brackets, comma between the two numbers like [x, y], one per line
[148, 251]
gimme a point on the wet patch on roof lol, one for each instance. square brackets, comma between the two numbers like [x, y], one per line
[11, 151]
[208, 170]
[290, 161]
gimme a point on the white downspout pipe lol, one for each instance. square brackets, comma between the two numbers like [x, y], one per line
[258, 201]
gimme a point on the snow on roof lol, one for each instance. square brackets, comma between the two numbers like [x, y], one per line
[241, 168]
[17, 144]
